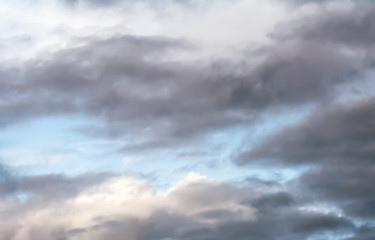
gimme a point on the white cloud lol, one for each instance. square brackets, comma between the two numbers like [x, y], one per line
[121, 200]
[29, 28]
[31, 157]
[131, 159]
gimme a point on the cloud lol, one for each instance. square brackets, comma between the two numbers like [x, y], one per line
[93, 2]
[272, 201]
[145, 84]
[337, 143]
[162, 91]
[194, 208]
[334, 142]
[298, 225]
[49, 186]
[128, 82]
[363, 233]
[348, 187]
[350, 26]
[6, 180]
[131, 159]
[112, 207]
[337, 135]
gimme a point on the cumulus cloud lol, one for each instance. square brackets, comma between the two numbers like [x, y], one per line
[115, 206]
[194, 208]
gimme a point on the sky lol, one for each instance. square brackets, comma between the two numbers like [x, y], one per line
[187, 119]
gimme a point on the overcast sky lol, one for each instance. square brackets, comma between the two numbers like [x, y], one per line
[187, 120]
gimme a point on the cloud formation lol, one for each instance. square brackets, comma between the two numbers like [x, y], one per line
[140, 82]
[194, 208]
[336, 135]
[157, 86]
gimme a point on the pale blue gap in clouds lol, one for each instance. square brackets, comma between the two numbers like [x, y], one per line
[53, 145]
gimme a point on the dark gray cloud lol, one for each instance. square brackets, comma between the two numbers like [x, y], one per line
[47, 187]
[294, 226]
[268, 203]
[351, 27]
[133, 83]
[7, 184]
[338, 134]
[293, 74]
[127, 82]
[336, 140]
[349, 187]
[363, 233]
[137, 85]
[57, 185]
[88, 78]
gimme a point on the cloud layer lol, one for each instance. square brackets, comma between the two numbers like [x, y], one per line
[122, 207]
[174, 77]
